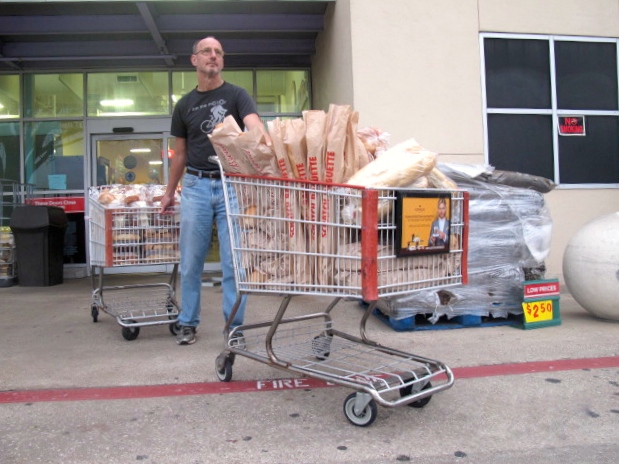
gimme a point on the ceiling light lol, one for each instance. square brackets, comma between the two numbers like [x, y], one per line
[121, 113]
[119, 103]
[140, 150]
[155, 162]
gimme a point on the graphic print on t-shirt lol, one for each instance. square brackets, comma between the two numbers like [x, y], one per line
[218, 113]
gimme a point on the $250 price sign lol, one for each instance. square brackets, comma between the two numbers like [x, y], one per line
[537, 310]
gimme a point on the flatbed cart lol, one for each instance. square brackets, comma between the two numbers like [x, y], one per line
[133, 236]
[294, 237]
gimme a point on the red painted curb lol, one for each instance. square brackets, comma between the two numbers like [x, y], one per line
[155, 391]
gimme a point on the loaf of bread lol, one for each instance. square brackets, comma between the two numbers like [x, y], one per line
[397, 167]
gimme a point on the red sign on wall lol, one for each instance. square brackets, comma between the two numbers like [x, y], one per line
[69, 204]
[572, 125]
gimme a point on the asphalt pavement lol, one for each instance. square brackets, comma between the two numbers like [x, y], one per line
[75, 391]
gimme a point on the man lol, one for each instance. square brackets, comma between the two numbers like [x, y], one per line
[439, 230]
[202, 198]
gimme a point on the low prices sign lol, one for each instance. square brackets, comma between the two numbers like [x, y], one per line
[539, 300]
[541, 289]
[572, 125]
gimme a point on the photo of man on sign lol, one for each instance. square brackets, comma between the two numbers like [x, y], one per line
[439, 231]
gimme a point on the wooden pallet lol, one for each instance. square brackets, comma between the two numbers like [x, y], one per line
[422, 322]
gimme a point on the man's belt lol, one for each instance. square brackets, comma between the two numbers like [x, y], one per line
[201, 174]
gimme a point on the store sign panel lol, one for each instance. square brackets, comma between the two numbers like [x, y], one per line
[69, 204]
[572, 125]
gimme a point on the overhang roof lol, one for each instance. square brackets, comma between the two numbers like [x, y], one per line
[60, 35]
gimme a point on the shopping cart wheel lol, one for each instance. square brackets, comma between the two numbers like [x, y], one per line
[321, 346]
[94, 312]
[130, 333]
[360, 416]
[223, 367]
[405, 391]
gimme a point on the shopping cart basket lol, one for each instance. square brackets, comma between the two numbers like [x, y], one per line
[294, 237]
[133, 236]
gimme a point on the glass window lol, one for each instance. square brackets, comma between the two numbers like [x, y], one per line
[9, 151]
[586, 75]
[128, 94]
[521, 143]
[282, 91]
[517, 73]
[593, 158]
[184, 82]
[9, 97]
[54, 95]
[55, 155]
[520, 133]
[243, 79]
[129, 160]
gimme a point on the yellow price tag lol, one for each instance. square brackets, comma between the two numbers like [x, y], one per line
[535, 311]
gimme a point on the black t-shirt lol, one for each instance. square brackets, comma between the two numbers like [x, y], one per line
[197, 113]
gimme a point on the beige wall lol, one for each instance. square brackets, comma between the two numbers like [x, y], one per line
[564, 17]
[412, 68]
[332, 78]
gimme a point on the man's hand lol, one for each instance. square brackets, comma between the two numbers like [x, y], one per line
[167, 201]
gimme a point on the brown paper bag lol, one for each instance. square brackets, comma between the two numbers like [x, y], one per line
[296, 148]
[315, 123]
[336, 126]
[292, 207]
[258, 155]
[335, 145]
[277, 132]
[224, 138]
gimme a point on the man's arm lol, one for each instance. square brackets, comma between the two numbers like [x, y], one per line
[176, 172]
[253, 120]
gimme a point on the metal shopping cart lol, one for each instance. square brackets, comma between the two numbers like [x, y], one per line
[299, 237]
[133, 236]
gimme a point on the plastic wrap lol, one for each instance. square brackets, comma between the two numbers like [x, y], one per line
[509, 238]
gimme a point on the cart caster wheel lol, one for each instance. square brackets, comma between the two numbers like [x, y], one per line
[404, 391]
[363, 418]
[175, 328]
[94, 312]
[130, 333]
[224, 372]
[321, 346]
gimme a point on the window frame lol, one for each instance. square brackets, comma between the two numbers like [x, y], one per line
[553, 111]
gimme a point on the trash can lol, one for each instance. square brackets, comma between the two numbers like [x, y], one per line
[39, 244]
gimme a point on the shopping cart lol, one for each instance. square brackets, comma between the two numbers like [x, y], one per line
[300, 237]
[133, 236]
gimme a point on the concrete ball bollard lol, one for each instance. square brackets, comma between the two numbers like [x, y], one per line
[591, 266]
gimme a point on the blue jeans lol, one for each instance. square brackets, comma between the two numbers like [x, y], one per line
[202, 203]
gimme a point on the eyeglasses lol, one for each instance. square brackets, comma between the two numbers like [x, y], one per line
[208, 51]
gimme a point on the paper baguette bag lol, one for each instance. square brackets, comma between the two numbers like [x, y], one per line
[335, 144]
[224, 138]
[315, 122]
[292, 208]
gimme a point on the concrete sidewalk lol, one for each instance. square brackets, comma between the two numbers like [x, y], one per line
[563, 410]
